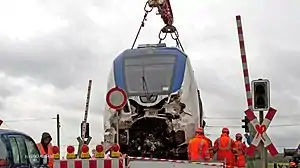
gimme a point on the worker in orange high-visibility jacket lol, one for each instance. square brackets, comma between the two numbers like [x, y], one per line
[198, 147]
[224, 146]
[240, 160]
[209, 146]
[45, 148]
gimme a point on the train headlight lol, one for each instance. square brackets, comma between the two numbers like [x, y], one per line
[148, 99]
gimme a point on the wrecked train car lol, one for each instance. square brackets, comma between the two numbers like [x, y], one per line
[164, 105]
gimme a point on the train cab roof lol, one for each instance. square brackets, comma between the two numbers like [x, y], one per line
[152, 49]
[151, 59]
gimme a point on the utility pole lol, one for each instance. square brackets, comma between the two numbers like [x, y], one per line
[58, 130]
[262, 150]
[252, 161]
[117, 126]
[261, 103]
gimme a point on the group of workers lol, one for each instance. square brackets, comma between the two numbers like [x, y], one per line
[200, 148]
[231, 152]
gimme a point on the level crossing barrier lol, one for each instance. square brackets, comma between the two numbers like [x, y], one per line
[166, 163]
[118, 161]
[90, 163]
[85, 159]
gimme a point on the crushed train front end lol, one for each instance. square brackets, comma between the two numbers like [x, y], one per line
[159, 118]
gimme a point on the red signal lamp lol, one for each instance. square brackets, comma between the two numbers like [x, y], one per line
[115, 148]
[115, 153]
[85, 152]
[99, 148]
[55, 149]
[99, 151]
[84, 148]
[70, 149]
[70, 152]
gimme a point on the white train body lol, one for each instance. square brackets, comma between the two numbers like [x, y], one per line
[164, 106]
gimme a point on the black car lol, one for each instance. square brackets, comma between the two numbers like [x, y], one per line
[19, 150]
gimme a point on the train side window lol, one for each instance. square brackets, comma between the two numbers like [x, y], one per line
[3, 154]
[19, 150]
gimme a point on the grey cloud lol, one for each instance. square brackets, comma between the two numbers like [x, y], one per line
[60, 61]
[63, 57]
[4, 92]
[74, 98]
[1, 104]
[282, 62]
[7, 89]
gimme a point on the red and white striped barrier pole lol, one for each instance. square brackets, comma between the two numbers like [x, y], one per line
[244, 61]
[261, 134]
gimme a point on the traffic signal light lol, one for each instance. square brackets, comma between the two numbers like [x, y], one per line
[261, 94]
[245, 126]
[87, 132]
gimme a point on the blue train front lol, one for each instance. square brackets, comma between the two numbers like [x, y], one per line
[163, 107]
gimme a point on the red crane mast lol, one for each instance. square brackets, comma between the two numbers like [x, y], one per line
[164, 9]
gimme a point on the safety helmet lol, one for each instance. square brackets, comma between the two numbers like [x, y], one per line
[225, 130]
[200, 130]
[238, 136]
[292, 164]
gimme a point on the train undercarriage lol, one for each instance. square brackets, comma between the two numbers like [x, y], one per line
[156, 132]
[149, 137]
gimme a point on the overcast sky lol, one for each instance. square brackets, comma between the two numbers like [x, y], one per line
[50, 49]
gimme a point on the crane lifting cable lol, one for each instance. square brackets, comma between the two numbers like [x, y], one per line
[165, 11]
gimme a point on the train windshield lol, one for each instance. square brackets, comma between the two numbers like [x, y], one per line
[149, 74]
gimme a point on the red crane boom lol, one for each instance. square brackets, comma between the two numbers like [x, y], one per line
[164, 9]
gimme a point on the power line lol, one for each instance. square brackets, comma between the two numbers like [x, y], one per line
[30, 119]
[285, 125]
[239, 126]
[239, 118]
[222, 118]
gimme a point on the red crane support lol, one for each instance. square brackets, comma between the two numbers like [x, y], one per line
[165, 11]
